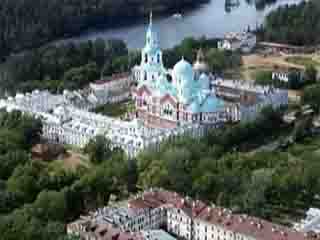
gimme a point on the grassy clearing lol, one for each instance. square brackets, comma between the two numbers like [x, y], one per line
[71, 161]
[304, 61]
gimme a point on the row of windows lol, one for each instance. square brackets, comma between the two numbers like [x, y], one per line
[146, 58]
[219, 237]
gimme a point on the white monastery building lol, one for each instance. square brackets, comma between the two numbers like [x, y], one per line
[185, 100]
[244, 41]
[311, 222]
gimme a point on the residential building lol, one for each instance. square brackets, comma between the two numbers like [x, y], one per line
[311, 223]
[288, 75]
[244, 41]
[143, 216]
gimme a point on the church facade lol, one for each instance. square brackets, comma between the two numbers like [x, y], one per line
[167, 98]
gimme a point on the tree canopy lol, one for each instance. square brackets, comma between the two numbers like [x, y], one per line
[295, 24]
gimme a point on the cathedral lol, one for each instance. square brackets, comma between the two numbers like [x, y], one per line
[167, 98]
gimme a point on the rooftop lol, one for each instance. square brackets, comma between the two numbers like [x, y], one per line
[200, 212]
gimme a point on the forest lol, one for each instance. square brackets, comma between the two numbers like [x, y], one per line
[73, 66]
[31, 23]
[295, 24]
[37, 200]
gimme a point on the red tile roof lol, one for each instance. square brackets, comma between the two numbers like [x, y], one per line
[237, 223]
[249, 226]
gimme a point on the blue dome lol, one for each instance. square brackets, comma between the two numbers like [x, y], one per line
[183, 69]
[204, 81]
[194, 107]
[211, 104]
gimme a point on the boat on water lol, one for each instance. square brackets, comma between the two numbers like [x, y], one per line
[177, 15]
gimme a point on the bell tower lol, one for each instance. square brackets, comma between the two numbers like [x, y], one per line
[151, 56]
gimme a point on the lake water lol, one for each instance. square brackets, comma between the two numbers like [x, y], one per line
[211, 20]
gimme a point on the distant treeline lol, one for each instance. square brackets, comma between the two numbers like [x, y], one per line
[30, 23]
[295, 24]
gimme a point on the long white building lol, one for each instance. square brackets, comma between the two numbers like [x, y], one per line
[65, 124]
[182, 217]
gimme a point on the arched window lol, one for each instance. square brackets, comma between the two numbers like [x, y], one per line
[158, 58]
[167, 110]
[145, 76]
[146, 58]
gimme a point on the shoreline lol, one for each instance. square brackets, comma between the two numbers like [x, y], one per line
[104, 23]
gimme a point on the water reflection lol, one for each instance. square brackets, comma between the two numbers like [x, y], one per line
[213, 19]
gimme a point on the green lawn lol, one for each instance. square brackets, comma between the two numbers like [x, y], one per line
[304, 61]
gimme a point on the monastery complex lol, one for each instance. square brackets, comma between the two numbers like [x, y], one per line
[187, 99]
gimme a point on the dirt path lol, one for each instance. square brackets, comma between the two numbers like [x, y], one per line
[256, 60]
[72, 160]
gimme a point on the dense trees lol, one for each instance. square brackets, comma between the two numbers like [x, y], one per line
[73, 66]
[295, 24]
[37, 201]
[311, 74]
[69, 66]
[221, 60]
[29, 23]
[217, 168]
[98, 149]
[311, 95]
[247, 182]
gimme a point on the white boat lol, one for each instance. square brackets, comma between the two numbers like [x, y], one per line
[177, 15]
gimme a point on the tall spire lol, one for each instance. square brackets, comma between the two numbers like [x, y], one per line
[150, 20]
[200, 55]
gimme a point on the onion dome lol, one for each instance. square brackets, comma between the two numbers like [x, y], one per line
[204, 81]
[183, 71]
